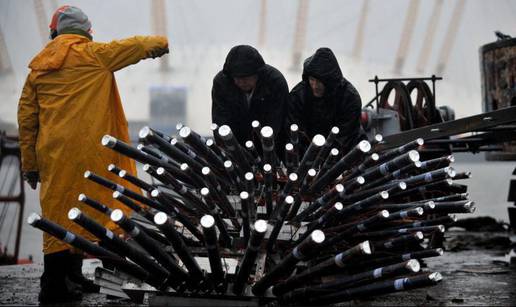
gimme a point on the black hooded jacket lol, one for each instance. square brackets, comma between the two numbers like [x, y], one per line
[268, 104]
[340, 106]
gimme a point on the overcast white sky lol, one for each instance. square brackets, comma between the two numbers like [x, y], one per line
[202, 31]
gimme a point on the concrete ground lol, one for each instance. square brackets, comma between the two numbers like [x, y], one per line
[473, 274]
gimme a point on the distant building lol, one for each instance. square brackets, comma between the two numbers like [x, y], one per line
[167, 107]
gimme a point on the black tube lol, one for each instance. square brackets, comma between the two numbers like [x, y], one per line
[244, 201]
[216, 136]
[249, 183]
[326, 267]
[298, 199]
[377, 139]
[399, 241]
[287, 189]
[224, 238]
[443, 220]
[114, 169]
[158, 275]
[440, 185]
[398, 231]
[81, 243]
[412, 212]
[325, 218]
[347, 230]
[234, 148]
[277, 222]
[268, 182]
[398, 174]
[310, 155]
[173, 206]
[364, 204]
[257, 160]
[210, 240]
[116, 187]
[325, 149]
[200, 207]
[127, 150]
[299, 295]
[256, 127]
[215, 148]
[380, 287]
[368, 162]
[150, 150]
[437, 162]
[435, 175]
[382, 261]
[329, 162]
[168, 199]
[166, 225]
[194, 140]
[196, 180]
[390, 166]
[303, 251]
[219, 195]
[454, 207]
[249, 258]
[234, 175]
[453, 197]
[267, 140]
[173, 170]
[291, 158]
[345, 163]
[136, 181]
[403, 206]
[321, 202]
[389, 155]
[178, 275]
[167, 148]
[95, 204]
[294, 135]
[133, 206]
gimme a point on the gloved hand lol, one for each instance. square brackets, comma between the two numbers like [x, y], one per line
[32, 178]
[155, 53]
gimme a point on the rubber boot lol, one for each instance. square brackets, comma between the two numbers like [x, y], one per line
[75, 275]
[53, 282]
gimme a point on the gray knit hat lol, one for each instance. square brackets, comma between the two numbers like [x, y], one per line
[70, 17]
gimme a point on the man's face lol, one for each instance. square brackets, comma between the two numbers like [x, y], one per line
[317, 87]
[246, 84]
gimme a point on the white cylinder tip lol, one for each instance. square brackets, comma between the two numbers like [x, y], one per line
[74, 213]
[108, 141]
[267, 132]
[160, 218]
[318, 236]
[117, 215]
[207, 221]
[33, 217]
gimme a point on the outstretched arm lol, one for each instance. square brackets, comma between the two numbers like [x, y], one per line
[121, 53]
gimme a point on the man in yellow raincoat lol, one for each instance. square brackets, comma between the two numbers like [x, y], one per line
[69, 101]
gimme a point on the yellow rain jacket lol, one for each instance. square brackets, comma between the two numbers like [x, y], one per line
[69, 101]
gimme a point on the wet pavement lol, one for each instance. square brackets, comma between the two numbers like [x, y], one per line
[473, 274]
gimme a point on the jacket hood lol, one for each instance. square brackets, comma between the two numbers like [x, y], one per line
[242, 61]
[323, 65]
[53, 55]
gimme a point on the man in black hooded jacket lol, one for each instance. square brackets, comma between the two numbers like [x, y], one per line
[247, 89]
[324, 99]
